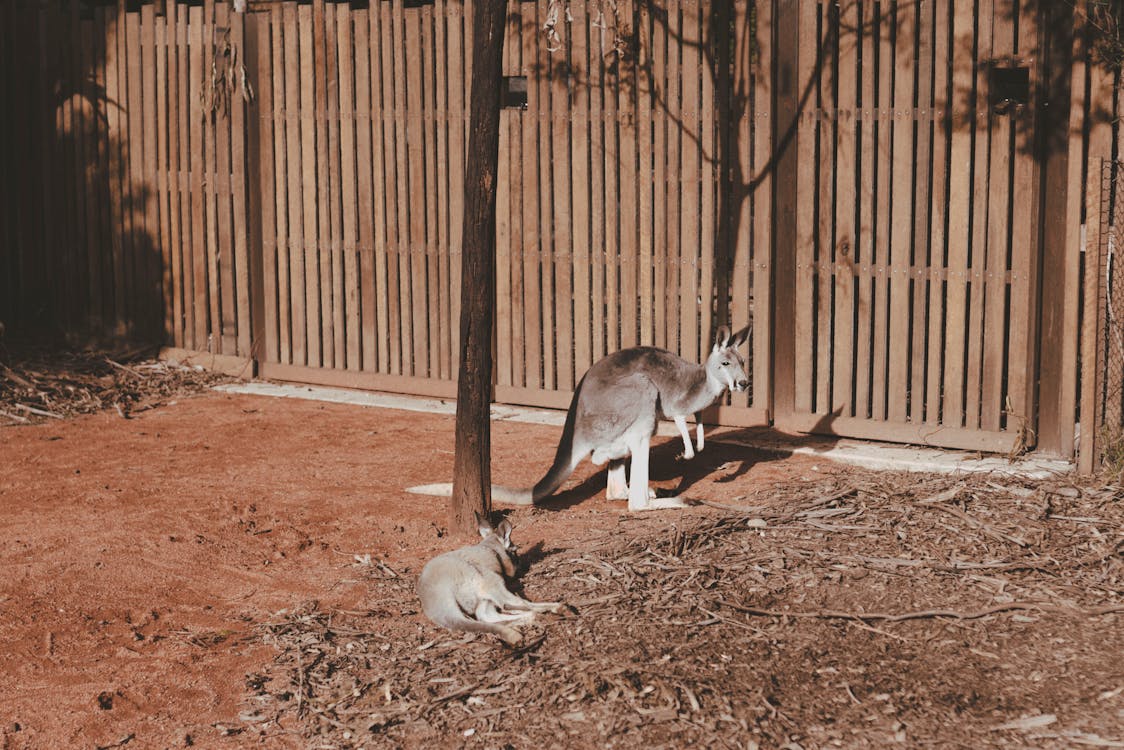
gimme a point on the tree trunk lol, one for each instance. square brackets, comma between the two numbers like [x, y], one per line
[472, 480]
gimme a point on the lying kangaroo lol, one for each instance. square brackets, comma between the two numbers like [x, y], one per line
[466, 589]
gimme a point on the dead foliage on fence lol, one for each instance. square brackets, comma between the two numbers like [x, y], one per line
[861, 609]
[41, 383]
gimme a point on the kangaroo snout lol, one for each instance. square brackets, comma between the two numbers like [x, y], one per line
[741, 385]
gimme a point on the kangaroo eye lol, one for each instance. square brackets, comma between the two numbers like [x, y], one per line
[725, 364]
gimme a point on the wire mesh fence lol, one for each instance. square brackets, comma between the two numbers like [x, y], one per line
[1109, 371]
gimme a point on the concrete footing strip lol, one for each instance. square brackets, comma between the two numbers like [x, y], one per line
[868, 455]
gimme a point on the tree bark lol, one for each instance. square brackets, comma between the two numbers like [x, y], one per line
[472, 480]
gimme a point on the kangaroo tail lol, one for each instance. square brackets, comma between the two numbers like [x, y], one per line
[501, 495]
[565, 459]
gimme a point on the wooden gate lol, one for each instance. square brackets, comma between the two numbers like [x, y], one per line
[916, 249]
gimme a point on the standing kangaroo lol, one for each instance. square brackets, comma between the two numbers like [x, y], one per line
[466, 589]
[617, 406]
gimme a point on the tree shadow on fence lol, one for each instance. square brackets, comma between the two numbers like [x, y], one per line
[80, 210]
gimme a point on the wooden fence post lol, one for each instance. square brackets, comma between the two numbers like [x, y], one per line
[256, 29]
[471, 464]
[787, 108]
[1061, 243]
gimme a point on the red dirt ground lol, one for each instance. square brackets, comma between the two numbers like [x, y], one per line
[140, 556]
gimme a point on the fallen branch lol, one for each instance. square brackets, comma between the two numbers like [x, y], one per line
[834, 614]
[40, 412]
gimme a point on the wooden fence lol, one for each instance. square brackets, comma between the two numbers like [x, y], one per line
[892, 192]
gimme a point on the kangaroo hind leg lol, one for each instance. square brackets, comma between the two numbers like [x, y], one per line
[491, 611]
[639, 496]
[617, 485]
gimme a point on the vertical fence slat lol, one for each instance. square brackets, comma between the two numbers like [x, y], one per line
[883, 166]
[960, 121]
[335, 83]
[864, 242]
[563, 228]
[429, 131]
[627, 146]
[322, 287]
[1076, 201]
[150, 241]
[579, 185]
[544, 64]
[999, 194]
[213, 146]
[66, 171]
[922, 171]
[295, 24]
[367, 163]
[532, 253]
[672, 184]
[163, 135]
[709, 253]
[183, 174]
[268, 125]
[1023, 238]
[752, 258]
[460, 70]
[520, 328]
[89, 71]
[689, 181]
[902, 187]
[978, 248]
[223, 119]
[9, 260]
[401, 69]
[44, 113]
[115, 40]
[349, 197]
[943, 56]
[807, 98]
[611, 148]
[843, 251]
[381, 216]
[411, 77]
[503, 328]
[646, 289]
[825, 242]
[200, 207]
[284, 35]
[657, 84]
[442, 64]
[599, 50]
[307, 187]
[392, 188]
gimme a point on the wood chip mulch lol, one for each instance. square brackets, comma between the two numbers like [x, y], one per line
[858, 610]
[40, 383]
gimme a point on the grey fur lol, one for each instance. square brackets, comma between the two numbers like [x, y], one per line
[466, 589]
[616, 408]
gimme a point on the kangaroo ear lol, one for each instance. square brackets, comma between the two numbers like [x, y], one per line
[721, 337]
[741, 337]
[504, 530]
[482, 524]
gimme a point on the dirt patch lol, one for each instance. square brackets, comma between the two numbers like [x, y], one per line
[237, 571]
